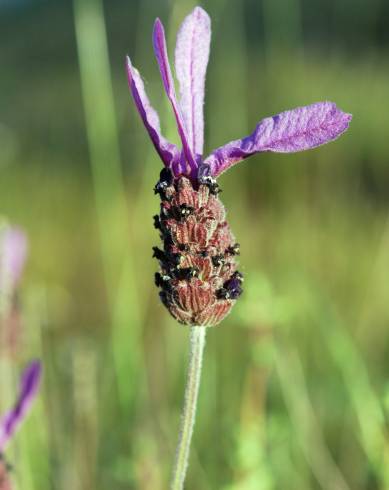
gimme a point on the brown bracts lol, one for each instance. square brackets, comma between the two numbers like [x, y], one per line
[198, 278]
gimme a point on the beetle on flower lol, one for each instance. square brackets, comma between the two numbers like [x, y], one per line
[29, 386]
[192, 223]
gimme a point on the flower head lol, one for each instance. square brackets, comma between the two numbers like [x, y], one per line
[192, 225]
[29, 385]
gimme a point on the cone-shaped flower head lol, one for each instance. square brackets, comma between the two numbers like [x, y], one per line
[29, 385]
[198, 277]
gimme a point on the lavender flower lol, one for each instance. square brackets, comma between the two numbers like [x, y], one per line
[28, 389]
[198, 277]
[13, 252]
[198, 274]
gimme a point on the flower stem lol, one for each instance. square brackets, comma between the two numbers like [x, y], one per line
[197, 343]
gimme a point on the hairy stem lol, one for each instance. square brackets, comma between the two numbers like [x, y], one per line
[197, 342]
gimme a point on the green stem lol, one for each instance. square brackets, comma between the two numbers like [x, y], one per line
[197, 343]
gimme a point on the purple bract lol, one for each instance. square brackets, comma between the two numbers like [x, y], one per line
[29, 385]
[13, 252]
[290, 131]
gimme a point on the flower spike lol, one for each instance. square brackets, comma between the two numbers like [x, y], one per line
[191, 60]
[28, 389]
[288, 132]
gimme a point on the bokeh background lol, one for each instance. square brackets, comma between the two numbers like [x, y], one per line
[295, 391]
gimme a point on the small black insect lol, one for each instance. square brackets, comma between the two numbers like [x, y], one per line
[212, 185]
[159, 254]
[179, 213]
[166, 179]
[162, 281]
[237, 275]
[168, 260]
[184, 211]
[205, 178]
[222, 293]
[204, 253]
[184, 247]
[186, 273]
[218, 260]
[234, 249]
[157, 222]
[232, 288]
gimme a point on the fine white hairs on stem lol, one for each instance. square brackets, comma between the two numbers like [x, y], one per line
[197, 343]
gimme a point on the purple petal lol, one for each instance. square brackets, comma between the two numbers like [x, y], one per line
[290, 131]
[13, 252]
[160, 50]
[169, 153]
[28, 389]
[191, 59]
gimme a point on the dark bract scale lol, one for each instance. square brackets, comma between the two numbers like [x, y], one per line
[218, 260]
[185, 211]
[198, 279]
[157, 223]
[233, 249]
[165, 181]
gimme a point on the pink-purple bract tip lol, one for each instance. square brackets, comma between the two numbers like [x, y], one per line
[13, 253]
[28, 389]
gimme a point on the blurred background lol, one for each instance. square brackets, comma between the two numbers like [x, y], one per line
[295, 391]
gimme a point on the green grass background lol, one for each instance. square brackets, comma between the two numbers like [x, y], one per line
[295, 391]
